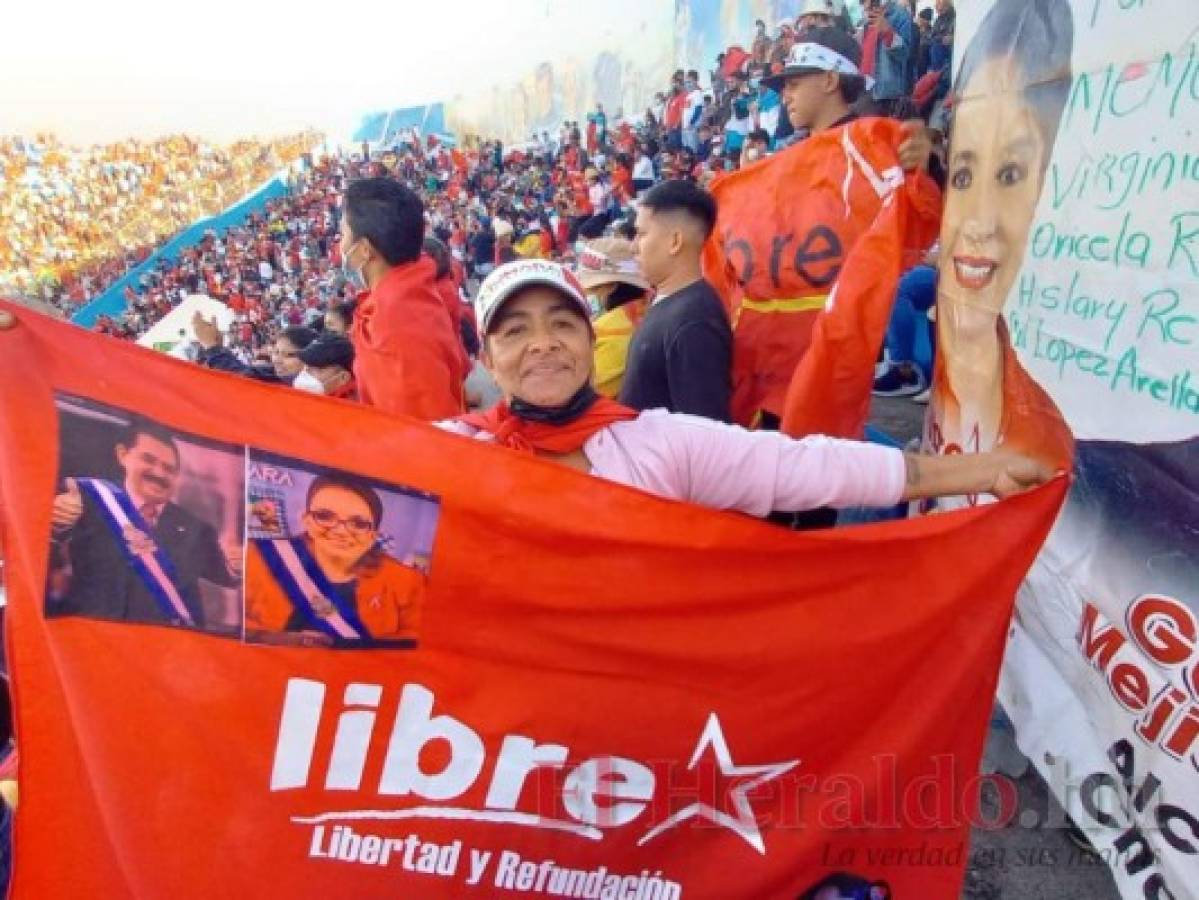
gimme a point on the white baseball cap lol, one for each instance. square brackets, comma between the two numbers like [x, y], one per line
[832, 8]
[514, 276]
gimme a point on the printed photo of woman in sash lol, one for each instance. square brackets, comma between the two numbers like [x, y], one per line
[332, 581]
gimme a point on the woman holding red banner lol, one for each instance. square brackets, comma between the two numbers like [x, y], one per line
[538, 345]
[1009, 98]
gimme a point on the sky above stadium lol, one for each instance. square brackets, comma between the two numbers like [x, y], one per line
[232, 68]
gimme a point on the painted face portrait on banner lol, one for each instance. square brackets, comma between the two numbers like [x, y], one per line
[1067, 327]
[1009, 98]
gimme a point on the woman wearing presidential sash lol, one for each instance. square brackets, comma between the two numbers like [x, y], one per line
[333, 584]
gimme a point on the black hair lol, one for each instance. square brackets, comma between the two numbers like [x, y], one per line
[852, 87]
[470, 337]
[759, 134]
[1037, 37]
[353, 485]
[388, 215]
[138, 427]
[593, 227]
[440, 254]
[345, 310]
[683, 197]
[623, 293]
[299, 336]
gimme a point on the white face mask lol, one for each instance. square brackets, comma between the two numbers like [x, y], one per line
[306, 381]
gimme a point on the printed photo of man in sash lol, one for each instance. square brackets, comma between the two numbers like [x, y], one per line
[334, 559]
[124, 546]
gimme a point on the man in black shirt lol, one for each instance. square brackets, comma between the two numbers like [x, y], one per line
[680, 359]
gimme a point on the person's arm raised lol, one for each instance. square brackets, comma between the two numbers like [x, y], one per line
[1000, 472]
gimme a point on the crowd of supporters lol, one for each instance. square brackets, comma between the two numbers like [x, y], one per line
[73, 220]
[81, 219]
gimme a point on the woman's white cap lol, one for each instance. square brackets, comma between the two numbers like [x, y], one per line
[514, 276]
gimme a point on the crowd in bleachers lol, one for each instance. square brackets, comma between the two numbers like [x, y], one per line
[83, 218]
[72, 220]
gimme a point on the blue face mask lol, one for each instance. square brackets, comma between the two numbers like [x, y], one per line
[755, 82]
[352, 275]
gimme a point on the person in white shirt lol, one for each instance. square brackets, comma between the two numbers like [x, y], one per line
[597, 193]
[643, 171]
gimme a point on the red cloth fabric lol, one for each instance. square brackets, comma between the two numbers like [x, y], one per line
[406, 355]
[869, 50]
[448, 290]
[520, 434]
[674, 111]
[551, 566]
[922, 93]
[830, 390]
[734, 59]
[782, 233]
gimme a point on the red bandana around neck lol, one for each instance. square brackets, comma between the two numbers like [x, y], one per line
[532, 437]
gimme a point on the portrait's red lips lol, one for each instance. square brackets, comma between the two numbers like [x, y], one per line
[974, 272]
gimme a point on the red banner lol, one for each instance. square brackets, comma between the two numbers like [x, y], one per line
[783, 232]
[472, 672]
[830, 390]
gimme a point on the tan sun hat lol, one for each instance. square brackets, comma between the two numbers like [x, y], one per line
[609, 261]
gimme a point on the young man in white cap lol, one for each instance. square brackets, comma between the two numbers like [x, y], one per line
[821, 80]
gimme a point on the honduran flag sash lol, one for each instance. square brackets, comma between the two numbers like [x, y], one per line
[302, 581]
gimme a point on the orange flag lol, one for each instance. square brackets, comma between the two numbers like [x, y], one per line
[783, 234]
[575, 689]
[830, 389]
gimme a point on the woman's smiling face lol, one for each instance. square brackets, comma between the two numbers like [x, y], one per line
[540, 348]
[996, 168]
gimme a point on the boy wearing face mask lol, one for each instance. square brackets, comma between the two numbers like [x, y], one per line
[328, 368]
[406, 354]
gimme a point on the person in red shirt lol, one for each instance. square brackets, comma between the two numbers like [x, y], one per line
[622, 181]
[447, 289]
[673, 118]
[406, 354]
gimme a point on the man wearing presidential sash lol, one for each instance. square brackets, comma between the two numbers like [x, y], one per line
[131, 552]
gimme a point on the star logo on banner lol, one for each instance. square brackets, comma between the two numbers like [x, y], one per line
[743, 824]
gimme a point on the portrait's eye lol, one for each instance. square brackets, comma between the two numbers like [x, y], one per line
[961, 178]
[1010, 174]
